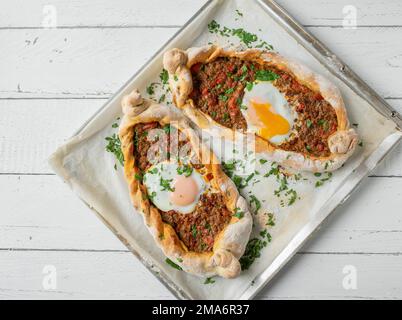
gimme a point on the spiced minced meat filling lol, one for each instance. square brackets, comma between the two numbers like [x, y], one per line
[198, 229]
[219, 89]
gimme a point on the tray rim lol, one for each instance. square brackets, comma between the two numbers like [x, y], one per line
[334, 65]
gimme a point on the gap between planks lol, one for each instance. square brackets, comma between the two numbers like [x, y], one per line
[128, 251]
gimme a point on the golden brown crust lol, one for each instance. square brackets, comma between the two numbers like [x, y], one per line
[342, 143]
[230, 243]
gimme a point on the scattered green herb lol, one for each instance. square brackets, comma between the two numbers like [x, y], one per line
[270, 220]
[266, 75]
[256, 202]
[194, 231]
[186, 170]
[239, 13]
[209, 280]
[172, 264]
[164, 76]
[165, 184]
[238, 213]
[252, 252]
[114, 146]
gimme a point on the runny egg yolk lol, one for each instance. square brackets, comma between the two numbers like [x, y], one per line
[270, 123]
[185, 191]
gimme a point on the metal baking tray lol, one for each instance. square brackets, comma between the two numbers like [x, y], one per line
[321, 58]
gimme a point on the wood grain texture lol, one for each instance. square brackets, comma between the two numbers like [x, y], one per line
[77, 63]
[97, 13]
[116, 275]
[51, 217]
[133, 13]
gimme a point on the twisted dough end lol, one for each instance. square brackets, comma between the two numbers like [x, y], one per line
[174, 59]
[342, 142]
[227, 265]
[131, 101]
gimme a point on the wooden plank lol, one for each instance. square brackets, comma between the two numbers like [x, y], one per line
[322, 276]
[95, 275]
[40, 212]
[102, 13]
[331, 12]
[79, 275]
[98, 13]
[96, 62]
[30, 130]
[74, 63]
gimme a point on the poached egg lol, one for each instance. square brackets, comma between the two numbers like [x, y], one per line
[174, 186]
[267, 112]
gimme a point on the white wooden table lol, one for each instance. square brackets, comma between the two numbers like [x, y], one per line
[52, 80]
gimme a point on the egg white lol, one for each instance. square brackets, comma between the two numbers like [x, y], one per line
[161, 198]
[266, 92]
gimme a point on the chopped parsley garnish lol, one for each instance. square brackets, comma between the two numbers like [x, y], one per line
[138, 177]
[213, 26]
[114, 146]
[324, 124]
[266, 75]
[270, 220]
[308, 148]
[194, 231]
[150, 89]
[229, 91]
[164, 76]
[186, 170]
[247, 38]
[320, 182]
[175, 78]
[293, 196]
[229, 167]
[162, 98]
[317, 174]
[238, 181]
[253, 249]
[165, 184]
[172, 264]
[239, 13]
[256, 202]
[262, 161]
[153, 170]
[209, 280]
[360, 144]
[167, 128]
[222, 97]
[249, 86]
[115, 125]
[309, 123]
[152, 195]
[238, 213]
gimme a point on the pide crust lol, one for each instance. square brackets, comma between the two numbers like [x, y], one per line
[341, 143]
[230, 243]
